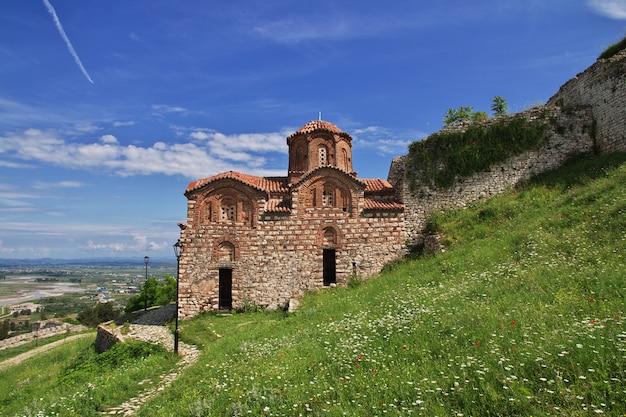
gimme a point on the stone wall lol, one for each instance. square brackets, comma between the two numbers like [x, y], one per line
[588, 114]
[569, 134]
[105, 338]
[603, 88]
[281, 258]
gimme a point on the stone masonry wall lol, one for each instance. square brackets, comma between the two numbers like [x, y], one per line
[602, 87]
[568, 135]
[276, 260]
[587, 114]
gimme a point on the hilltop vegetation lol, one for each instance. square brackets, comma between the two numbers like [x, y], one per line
[522, 315]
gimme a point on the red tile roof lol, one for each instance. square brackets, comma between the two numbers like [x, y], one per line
[275, 205]
[318, 125]
[377, 186]
[267, 184]
[372, 204]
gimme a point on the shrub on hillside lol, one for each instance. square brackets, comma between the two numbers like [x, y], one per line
[100, 313]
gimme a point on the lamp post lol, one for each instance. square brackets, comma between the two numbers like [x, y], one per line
[177, 248]
[145, 289]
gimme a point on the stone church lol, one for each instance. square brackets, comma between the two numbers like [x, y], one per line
[251, 240]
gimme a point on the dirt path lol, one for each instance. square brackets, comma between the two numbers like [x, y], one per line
[19, 358]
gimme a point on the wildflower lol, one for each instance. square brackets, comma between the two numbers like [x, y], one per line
[513, 323]
[476, 344]
[592, 299]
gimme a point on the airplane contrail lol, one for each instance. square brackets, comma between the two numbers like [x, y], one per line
[57, 22]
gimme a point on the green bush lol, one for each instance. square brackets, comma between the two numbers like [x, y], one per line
[613, 49]
[100, 313]
[153, 293]
[442, 157]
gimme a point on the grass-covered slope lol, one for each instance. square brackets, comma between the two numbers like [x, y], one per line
[523, 315]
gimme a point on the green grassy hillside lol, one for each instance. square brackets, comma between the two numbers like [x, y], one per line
[522, 315]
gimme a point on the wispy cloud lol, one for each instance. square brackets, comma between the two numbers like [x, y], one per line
[614, 9]
[386, 141]
[118, 124]
[60, 184]
[164, 108]
[57, 23]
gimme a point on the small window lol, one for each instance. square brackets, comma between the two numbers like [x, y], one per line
[228, 212]
[327, 198]
[323, 156]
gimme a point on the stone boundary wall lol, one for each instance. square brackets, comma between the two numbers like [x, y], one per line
[603, 88]
[569, 134]
[106, 338]
[24, 338]
[588, 114]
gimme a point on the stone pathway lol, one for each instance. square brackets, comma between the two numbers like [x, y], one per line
[150, 328]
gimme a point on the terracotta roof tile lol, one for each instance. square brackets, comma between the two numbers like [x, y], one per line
[377, 186]
[275, 205]
[372, 204]
[268, 184]
[318, 125]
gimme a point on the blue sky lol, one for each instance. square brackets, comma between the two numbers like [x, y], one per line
[109, 108]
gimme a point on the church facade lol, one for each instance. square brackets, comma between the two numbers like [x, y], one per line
[265, 241]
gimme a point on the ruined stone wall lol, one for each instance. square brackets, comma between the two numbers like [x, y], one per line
[281, 258]
[569, 134]
[602, 87]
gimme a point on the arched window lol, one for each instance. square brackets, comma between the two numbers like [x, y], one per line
[226, 252]
[327, 197]
[300, 164]
[345, 159]
[330, 236]
[228, 211]
[323, 156]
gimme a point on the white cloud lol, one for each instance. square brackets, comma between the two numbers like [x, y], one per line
[614, 9]
[208, 154]
[110, 139]
[164, 108]
[119, 124]
[61, 184]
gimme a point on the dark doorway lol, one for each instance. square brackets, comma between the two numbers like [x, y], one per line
[330, 271]
[226, 289]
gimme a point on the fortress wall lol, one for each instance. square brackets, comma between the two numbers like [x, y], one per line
[602, 87]
[569, 134]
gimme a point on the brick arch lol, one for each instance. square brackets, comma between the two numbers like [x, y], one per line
[212, 207]
[329, 236]
[225, 250]
[317, 143]
[341, 197]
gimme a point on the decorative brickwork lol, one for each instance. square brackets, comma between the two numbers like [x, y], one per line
[265, 241]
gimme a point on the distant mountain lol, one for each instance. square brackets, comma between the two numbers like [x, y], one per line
[94, 262]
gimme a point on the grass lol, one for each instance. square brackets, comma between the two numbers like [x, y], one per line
[72, 380]
[523, 314]
[613, 49]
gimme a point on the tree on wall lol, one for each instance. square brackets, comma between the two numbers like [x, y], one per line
[462, 114]
[498, 106]
[467, 113]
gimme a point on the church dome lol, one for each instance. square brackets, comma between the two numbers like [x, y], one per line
[317, 125]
